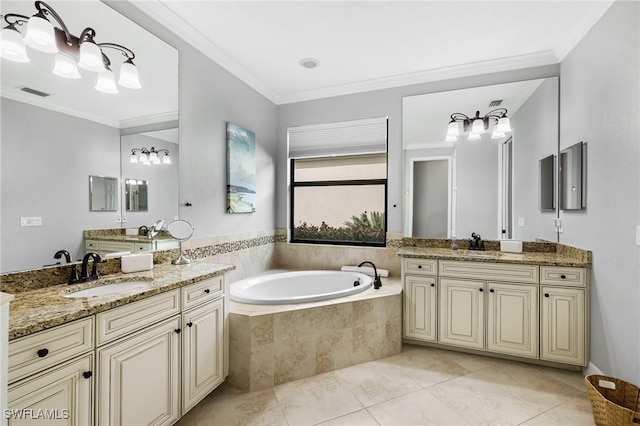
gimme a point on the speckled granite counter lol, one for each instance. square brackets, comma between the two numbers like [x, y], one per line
[35, 310]
[576, 259]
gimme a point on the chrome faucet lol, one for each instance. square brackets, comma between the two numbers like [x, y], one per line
[376, 278]
[73, 278]
[84, 273]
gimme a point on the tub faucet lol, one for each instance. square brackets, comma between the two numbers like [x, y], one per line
[376, 278]
[84, 274]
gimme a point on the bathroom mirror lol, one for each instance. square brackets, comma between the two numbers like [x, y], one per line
[181, 230]
[136, 195]
[547, 182]
[572, 177]
[76, 133]
[103, 194]
[490, 184]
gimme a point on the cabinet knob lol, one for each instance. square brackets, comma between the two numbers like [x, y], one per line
[87, 374]
[546, 295]
[419, 266]
[206, 290]
[563, 276]
[481, 289]
[43, 352]
[491, 291]
[177, 330]
[433, 284]
[190, 324]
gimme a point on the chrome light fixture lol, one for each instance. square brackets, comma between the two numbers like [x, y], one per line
[478, 125]
[71, 51]
[148, 157]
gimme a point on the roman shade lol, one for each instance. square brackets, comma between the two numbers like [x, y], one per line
[366, 136]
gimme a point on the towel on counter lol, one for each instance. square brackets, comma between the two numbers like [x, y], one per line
[365, 270]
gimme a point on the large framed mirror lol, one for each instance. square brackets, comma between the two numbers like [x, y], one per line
[489, 185]
[50, 145]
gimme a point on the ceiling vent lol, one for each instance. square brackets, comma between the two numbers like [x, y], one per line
[34, 92]
[495, 103]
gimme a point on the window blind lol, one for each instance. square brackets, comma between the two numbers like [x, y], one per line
[366, 136]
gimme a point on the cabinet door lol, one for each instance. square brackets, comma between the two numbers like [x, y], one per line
[420, 307]
[461, 313]
[563, 325]
[512, 319]
[138, 380]
[202, 347]
[61, 395]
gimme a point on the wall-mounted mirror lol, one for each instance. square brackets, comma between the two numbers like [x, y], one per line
[490, 186]
[103, 194]
[136, 195]
[573, 177]
[546, 178]
[74, 133]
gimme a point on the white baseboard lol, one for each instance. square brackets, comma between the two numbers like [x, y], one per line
[591, 369]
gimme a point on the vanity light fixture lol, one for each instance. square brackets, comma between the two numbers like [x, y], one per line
[148, 157]
[71, 51]
[477, 125]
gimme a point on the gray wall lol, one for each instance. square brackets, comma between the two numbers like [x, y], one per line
[600, 105]
[47, 158]
[535, 136]
[430, 209]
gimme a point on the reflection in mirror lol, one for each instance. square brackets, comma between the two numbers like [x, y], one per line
[547, 171]
[492, 189]
[181, 230]
[76, 134]
[103, 194]
[572, 177]
[136, 195]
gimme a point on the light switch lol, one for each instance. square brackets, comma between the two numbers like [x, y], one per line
[31, 221]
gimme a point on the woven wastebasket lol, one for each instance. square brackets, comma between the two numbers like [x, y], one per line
[614, 402]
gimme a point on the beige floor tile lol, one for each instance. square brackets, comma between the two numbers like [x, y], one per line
[481, 402]
[427, 366]
[315, 400]
[359, 418]
[374, 382]
[255, 408]
[417, 408]
[576, 411]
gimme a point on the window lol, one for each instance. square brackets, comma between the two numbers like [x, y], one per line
[338, 191]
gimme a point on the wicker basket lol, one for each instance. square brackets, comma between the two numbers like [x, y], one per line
[613, 407]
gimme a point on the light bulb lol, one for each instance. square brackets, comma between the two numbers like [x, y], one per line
[12, 45]
[40, 34]
[66, 67]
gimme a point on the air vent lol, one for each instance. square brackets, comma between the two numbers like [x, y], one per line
[495, 103]
[34, 92]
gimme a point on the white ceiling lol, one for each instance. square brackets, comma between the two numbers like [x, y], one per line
[366, 45]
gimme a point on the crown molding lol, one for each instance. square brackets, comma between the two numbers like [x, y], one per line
[149, 119]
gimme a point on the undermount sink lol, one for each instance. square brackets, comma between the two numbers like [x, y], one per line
[126, 286]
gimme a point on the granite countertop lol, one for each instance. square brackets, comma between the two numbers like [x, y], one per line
[35, 310]
[528, 258]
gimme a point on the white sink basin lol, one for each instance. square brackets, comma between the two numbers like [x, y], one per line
[127, 286]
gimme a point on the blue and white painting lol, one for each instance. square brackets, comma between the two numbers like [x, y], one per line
[241, 170]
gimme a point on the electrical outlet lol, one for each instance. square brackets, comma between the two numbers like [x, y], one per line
[557, 223]
[31, 221]
[521, 221]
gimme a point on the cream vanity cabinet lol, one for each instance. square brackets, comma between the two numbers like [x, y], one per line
[104, 247]
[51, 376]
[514, 309]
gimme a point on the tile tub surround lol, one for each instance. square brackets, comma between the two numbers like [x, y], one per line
[275, 344]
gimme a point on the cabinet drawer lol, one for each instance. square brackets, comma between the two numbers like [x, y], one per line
[566, 276]
[420, 266]
[490, 271]
[46, 348]
[142, 247]
[200, 292]
[115, 246]
[91, 245]
[126, 319]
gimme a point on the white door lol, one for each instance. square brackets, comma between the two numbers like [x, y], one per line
[461, 316]
[420, 307]
[203, 357]
[563, 325]
[512, 319]
[61, 395]
[138, 380]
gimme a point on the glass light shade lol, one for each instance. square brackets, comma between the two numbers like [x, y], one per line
[12, 45]
[153, 157]
[146, 163]
[40, 35]
[129, 76]
[144, 158]
[66, 67]
[474, 136]
[496, 134]
[133, 159]
[453, 129]
[106, 82]
[504, 125]
[91, 57]
[478, 126]
[451, 139]
[166, 159]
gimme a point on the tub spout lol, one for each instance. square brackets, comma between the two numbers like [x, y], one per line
[376, 278]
